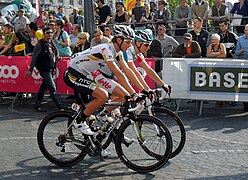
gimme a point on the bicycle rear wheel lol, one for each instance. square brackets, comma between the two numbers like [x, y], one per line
[175, 126]
[60, 145]
[151, 150]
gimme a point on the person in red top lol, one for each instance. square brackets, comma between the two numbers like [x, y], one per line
[188, 49]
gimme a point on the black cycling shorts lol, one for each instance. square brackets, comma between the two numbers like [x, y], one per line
[79, 82]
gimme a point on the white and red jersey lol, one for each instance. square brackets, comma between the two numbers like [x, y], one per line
[95, 58]
[132, 56]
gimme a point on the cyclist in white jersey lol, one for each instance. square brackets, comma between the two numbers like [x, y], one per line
[79, 74]
[143, 39]
[104, 76]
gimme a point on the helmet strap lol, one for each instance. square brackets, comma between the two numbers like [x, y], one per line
[138, 46]
[119, 45]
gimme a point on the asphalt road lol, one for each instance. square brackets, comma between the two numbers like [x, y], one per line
[216, 147]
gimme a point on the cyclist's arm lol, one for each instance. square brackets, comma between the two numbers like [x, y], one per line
[151, 73]
[130, 74]
[120, 76]
[138, 75]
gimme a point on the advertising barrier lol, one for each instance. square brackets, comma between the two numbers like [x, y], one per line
[13, 68]
[207, 79]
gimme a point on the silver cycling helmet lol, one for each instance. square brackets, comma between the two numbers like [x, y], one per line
[124, 31]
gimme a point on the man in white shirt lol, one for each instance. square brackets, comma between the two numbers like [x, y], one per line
[20, 21]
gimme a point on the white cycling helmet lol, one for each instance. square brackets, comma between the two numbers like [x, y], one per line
[124, 31]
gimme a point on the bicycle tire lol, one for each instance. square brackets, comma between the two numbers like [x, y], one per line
[150, 155]
[174, 123]
[55, 120]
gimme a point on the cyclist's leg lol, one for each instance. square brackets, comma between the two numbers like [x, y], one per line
[100, 97]
[80, 83]
[113, 88]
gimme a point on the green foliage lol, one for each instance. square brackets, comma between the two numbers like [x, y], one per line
[81, 12]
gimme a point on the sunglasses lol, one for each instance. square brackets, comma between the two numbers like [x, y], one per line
[106, 29]
[160, 29]
[128, 41]
[48, 32]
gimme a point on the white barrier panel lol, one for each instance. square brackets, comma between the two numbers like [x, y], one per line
[207, 79]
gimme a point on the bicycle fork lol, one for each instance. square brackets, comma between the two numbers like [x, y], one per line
[137, 131]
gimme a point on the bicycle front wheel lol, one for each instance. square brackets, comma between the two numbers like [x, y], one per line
[175, 126]
[59, 144]
[151, 145]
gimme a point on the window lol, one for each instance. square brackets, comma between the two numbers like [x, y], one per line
[60, 1]
[71, 2]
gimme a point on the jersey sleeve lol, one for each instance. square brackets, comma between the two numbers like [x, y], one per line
[140, 57]
[107, 53]
[130, 54]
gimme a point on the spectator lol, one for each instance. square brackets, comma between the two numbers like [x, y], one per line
[67, 25]
[20, 21]
[52, 15]
[19, 46]
[168, 42]
[241, 8]
[82, 43]
[155, 49]
[200, 9]
[182, 18]
[37, 32]
[121, 16]
[137, 12]
[242, 52]
[39, 20]
[242, 45]
[216, 49]
[200, 35]
[61, 39]
[8, 39]
[3, 20]
[217, 12]
[98, 38]
[74, 36]
[75, 18]
[108, 32]
[152, 7]
[44, 58]
[104, 13]
[188, 49]
[52, 25]
[163, 14]
[31, 34]
[228, 38]
[60, 13]
[148, 16]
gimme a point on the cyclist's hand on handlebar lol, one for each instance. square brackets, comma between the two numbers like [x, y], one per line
[138, 97]
[167, 88]
[149, 93]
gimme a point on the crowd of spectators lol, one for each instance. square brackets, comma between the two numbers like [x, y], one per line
[155, 16]
[218, 40]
